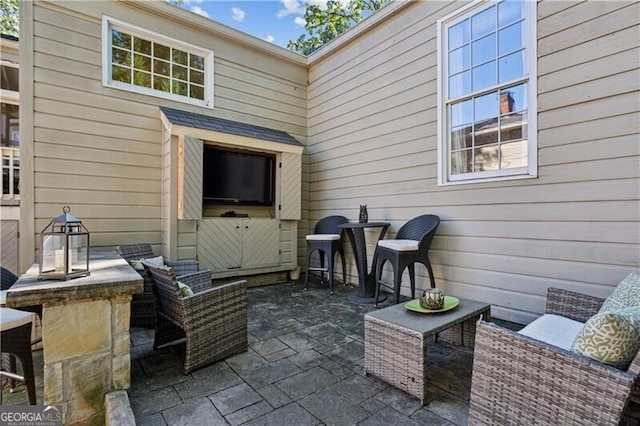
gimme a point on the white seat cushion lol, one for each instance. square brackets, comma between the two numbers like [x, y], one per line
[12, 318]
[554, 330]
[323, 237]
[399, 245]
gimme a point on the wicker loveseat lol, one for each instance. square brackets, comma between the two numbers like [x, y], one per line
[143, 305]
[213, 319]
[520, 380]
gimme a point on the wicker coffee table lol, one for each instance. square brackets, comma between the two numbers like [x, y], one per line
[395, 341]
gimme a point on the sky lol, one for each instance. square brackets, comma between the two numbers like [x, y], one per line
[276, 21]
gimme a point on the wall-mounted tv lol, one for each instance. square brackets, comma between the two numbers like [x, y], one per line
[237, 177]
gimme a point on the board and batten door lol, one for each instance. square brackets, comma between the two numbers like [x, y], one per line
[190, 178]
[290, 186]
[260, 243]
[220, 244]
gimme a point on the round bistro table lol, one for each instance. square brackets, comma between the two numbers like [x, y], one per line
[366, 277]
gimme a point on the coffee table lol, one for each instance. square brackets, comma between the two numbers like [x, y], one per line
[395, 341]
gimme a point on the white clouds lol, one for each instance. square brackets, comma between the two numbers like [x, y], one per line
[199, 11]
[237, 14]
[291, 7]
[300, 21]
[269, 38]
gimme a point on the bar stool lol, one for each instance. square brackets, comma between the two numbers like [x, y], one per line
[327, 240]
[15, 339]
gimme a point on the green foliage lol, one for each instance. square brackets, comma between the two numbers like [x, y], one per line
[10, 18]
[323, 25]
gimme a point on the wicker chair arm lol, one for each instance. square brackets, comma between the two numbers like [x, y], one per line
[182, 267]
[577, 306]
[519, 380]
[197, 281]
[225, 303]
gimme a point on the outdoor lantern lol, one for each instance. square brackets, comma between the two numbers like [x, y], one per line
[64, 248]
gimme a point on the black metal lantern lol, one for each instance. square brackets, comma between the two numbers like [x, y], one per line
[64, 248]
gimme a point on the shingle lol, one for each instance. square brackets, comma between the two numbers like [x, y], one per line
[205, 122]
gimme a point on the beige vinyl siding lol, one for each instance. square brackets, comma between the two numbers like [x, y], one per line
[373, 140]
[99, 149]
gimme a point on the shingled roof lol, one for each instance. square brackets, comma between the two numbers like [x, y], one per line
[206, 122]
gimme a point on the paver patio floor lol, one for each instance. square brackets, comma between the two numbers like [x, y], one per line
[304, 367]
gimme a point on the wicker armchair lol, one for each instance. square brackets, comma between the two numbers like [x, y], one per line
[143, 305]
[519, 380]
[213, 319]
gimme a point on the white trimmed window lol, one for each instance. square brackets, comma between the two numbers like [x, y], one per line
[487, 93]
[144, 62]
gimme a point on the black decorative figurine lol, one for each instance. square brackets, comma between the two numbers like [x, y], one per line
[364, 216]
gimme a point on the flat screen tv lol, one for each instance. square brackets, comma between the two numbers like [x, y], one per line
[237, 177]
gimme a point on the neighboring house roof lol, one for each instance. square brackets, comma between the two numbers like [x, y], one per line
[206, 122]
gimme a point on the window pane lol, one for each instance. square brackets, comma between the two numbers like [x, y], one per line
[10, 78]
[459, 84]
[121, 57]
[483, 50]
[486, 132]
[484, 76]
[462, 113]
[510, 39]
[459, 60]
[513, 127]
[196, 77]
[142, 46]
[142, 62]
[120, 39]
[486, 158]
[518, 95]
[510, 11]
[162, 52]
[179, 72]
[162, 83]
[483, 23]
[10, 125]
[196, 92]
[459, 34]
[461, 137]
[511, 67]
[179, 88]
[161, 67]
[142, 79]
[461, 162]
[514, 155]
[485, 107]
[180, 57]
[121, 74]
[197, 62]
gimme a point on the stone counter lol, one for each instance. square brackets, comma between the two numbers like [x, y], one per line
[85, 333]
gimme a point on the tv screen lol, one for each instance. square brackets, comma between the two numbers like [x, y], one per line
[237, 177]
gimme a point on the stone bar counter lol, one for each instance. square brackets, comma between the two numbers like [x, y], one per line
[85, 333]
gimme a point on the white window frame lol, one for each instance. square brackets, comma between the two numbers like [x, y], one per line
[10, 96]
[444, 145]
[109, 23]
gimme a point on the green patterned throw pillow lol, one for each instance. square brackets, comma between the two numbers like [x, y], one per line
[625, 295]
[185, 290]
[611, 337]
